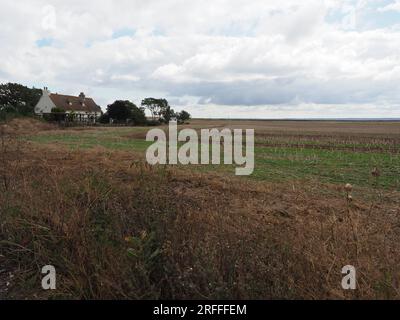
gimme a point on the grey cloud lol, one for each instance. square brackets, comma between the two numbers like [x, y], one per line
[285, 91]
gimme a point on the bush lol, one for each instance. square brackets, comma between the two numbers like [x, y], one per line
[104, 118]
[56, 115]
[153, 123]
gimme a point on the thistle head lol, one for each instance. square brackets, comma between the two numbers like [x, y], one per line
[348, 187]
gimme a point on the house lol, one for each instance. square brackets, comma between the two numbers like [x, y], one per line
[81, 108]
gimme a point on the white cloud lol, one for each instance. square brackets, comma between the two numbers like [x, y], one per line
[395, 6]
[257, 55]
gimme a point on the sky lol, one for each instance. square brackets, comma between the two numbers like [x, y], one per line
[220, 58]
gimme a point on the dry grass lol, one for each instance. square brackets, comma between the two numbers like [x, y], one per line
[116, 228]
[307, 127]
[22, 126]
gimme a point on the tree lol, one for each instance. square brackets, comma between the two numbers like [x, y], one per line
[17, 98]
[184, 116]
[157, 107]
[167, 114]
[138, 115]
[152, 105]
[119, 110]
[124, 110]
[104, 118]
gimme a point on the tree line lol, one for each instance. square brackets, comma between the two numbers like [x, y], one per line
[125, 111]
[19, 100]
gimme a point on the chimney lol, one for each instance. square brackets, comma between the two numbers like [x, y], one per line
[82, 98]
[46, 91]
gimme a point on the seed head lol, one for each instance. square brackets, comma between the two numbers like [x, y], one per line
[348, 187]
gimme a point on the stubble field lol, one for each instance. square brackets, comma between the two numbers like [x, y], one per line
[85, 201]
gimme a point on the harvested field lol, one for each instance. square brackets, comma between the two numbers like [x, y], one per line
[309, 126]
[114, 227]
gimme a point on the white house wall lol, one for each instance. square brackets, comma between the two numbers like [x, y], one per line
[45, 104]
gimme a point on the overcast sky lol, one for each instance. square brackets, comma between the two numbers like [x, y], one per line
[227, 58]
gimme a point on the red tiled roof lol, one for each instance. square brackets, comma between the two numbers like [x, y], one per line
[72, 103]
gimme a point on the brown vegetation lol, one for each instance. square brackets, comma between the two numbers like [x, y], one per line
[21, 126]
[116, 228]
[307, 127]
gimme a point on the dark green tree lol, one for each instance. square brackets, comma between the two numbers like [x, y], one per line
[184, 116]
[16, 98]
[138, 115]
[124, 110]
[120, 110]
[104, 118]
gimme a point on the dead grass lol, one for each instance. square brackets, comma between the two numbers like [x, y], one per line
[24, 126]
[116, 228]
[306, 127]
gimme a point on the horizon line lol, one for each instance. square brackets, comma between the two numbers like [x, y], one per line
[301, 119]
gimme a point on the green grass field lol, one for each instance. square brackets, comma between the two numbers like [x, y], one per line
[279, 158]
